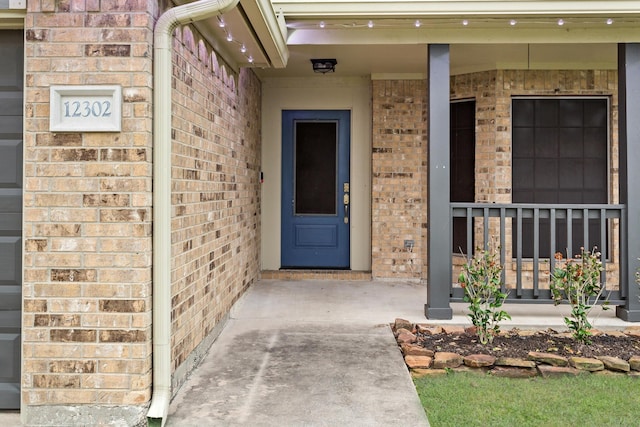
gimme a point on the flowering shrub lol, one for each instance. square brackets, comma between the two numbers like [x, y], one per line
[480, 279]
[578, 282]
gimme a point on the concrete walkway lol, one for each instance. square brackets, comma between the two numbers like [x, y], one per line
[321, 353]
[307, 354]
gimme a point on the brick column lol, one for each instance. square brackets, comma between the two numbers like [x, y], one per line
[87, 214]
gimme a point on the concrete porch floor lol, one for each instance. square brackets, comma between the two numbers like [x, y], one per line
[382, 301]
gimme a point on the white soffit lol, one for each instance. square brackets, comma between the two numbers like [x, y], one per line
[249, 35]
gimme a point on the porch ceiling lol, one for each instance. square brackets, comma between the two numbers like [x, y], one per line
[381, 38]
[410, 60]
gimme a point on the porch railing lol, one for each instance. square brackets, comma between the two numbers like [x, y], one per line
[505, 226]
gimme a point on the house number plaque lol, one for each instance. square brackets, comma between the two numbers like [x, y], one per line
[85, 108]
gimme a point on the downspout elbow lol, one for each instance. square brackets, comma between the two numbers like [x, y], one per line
[157, 413]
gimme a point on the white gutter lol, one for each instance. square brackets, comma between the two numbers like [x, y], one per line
[163, 37]
[311, 9]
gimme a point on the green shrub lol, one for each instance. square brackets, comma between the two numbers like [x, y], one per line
[482, 284]
[578, 282]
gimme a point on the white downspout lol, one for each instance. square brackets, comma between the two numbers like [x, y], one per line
[163, 37]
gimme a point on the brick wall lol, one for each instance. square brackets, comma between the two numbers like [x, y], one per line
[87, 210]
[400, 152]
[493, 91]
[87, 213]
[399, 192]
[216, 191]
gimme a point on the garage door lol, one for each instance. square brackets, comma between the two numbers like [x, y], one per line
[11, 108]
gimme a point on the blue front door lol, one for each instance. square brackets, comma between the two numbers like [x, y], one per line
[315, 189]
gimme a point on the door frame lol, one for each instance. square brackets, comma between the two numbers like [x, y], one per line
[314, 257]
[345, 93]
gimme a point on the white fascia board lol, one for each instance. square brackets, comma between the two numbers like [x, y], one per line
[270, 30]
[463, 35]
[256, 24]
[409, 8]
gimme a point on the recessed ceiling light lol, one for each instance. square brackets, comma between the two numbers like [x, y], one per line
[418, 24]
[370, 24]
[609, 21]
[322, 24]
[561, 22]
[465, 22]
[513, 22]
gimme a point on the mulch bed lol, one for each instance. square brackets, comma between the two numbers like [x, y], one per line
[515, 343]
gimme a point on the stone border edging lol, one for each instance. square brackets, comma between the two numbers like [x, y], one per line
[424, 362]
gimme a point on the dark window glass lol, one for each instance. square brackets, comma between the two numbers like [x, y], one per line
[463, 155]
[315, 167]
[559, 156]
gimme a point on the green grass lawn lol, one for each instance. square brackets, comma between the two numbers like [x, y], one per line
[468, 399]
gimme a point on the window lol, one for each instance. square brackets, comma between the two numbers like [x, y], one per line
[559, 157]
[315, 167]
[462, 171]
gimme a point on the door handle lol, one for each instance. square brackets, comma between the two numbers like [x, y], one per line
[345, 201]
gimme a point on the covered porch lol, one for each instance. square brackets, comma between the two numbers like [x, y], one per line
[527, 252]
[400, 68]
